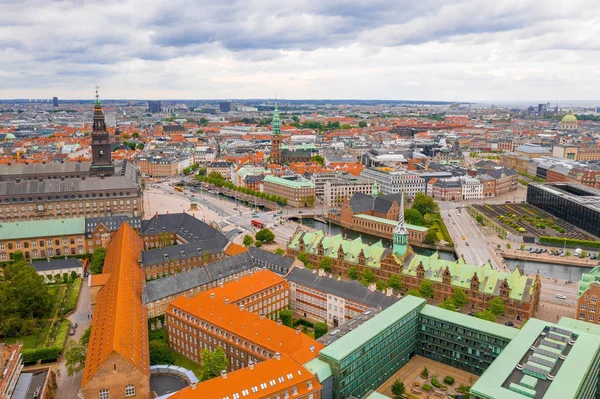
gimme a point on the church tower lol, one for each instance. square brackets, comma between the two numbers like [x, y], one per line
[101, 152]
[276, 139]
[400, 232]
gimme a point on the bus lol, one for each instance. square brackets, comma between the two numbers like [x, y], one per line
[177, 188]
[257, 223]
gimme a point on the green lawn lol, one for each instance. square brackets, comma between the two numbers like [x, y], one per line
[28, 341]
[184, 362]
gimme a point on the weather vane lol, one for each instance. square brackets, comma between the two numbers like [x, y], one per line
[97, 95]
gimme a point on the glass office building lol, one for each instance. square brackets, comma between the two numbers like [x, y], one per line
[571, 202]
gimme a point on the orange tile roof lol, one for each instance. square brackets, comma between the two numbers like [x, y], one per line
[120, 320]
[235, 249]
[211, 306]
[99, 279]
[265, 379]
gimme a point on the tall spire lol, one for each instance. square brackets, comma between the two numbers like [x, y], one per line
[401, 215]
[400, 233]
[276, 124]
[97, 102]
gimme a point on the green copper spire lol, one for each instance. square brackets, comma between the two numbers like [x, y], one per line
[400, 233]
[375, 192]
[275, 125]
[97, 102]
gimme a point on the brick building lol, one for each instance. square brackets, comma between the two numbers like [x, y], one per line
[298, 191]
[117, 362]
[225, 317]
[158, 166]
[588, 308]
[11, 365]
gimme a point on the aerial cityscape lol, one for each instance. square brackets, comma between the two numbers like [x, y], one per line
[249, 200]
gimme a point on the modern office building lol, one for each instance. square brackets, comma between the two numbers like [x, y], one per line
[336, 190]
[225, 106]
[55, 102]
[393, 181]
[545, 360]
[154, 107]
[571, 202]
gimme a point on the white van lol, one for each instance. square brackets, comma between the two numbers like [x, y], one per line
[577, 252]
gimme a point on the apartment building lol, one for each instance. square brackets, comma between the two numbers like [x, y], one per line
[320, 178]
[393, 181]
[222, 167]
[228, 317]
[334, 191]
[160, 166]
[299, 191]
[11, 365]
[99, 231]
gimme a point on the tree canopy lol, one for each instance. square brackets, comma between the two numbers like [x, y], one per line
[395, 282]
[496, 306]
[431, 237]
[23, 292]
[320, 329]
[459, 297]
[353, 272]
[426, 289]
[486, 315]
[367, 276]
[413, 216]
[97, 261]
[213, 363]
[248, 240]
[326, 263]
[448, 305]
[286, 317]
[425, 204]
[265, 235]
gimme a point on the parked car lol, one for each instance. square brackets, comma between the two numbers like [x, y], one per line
[467, 243]
[593, 256]
[74, 325]
[561, 296]
[72, 331]
[509, 324]
[471, 313]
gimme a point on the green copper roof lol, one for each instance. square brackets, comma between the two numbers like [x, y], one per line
[360, 336]
[574, 375]
[461, 272]
[373, 253]
[587, 278]
[276, 122]
[319, 368]
[390, 222]
[41, 228]
[300, 183]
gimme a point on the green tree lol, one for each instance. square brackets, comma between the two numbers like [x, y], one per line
[448, 305]
[459, 297]
[398, 389]
[280, 251]
[303, 257]
[367, 276]
[431, 237]
[381, 285]
[248, 240]
[160, 353]
[326, 263]
[362, 124]
[135, 135]
[426, 289]
[320, 329]
[309, 201]
[318, 159]
[258, 243]
[97, 261]
[213, 363]
[353, 272]
[496, 306]
[18, 256]
[414, 292]
[265, 235]
[286, 317]
[395, 282]
[486, 315]
[413, 216]
[85, 338]
[72, 276]
[508, 246]
[75, 353]
[425, 204]
[25, 291]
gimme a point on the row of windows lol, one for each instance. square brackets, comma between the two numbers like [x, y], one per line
[129, 391]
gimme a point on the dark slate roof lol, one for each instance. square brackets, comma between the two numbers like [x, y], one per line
[112, 222]
[178, 252]
[279, 264]
[173, 128]
[184, 225]
[361, 202]
[168, 286]
[44, 168]
[220, 164]
[350, 290]
[56, 264]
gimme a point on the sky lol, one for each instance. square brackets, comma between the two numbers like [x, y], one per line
[450, 50]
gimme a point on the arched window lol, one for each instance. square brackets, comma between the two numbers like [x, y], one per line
[104, 394]
[130, 390]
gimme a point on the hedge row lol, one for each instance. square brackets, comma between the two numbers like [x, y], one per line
[71, 302]
[49, 353]
[569, 242]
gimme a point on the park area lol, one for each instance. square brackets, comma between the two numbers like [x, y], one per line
[426, 378]
[527, 220]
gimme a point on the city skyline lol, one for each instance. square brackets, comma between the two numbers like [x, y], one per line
[432, 51]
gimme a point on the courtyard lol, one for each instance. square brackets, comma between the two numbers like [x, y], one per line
[416, 386]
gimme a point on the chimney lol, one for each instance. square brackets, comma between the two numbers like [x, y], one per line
[212, 295]
[224, 374]
[278, 322]
[277, 356]
[242, 307]
[321, 272]
[193, 385]
[389, 291]
[314, 271]
[372, 287]
[226, 301]
[221, 284]
[298, 330]
[330, 275]
[251, 365]
[262, 316]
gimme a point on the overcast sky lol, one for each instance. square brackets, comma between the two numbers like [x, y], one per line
[455, 50]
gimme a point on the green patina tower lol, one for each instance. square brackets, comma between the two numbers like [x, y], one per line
[276, 138]
[400, 232]
[375, 192]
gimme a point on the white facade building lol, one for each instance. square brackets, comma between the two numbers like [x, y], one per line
[471, 188]
[395, 181]
[336, 190]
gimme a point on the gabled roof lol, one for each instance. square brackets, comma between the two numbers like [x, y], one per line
[120, 319]
[280, 264]
[185, 226]
[112, 222]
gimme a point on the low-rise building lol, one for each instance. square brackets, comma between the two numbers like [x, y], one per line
[299, 191]
[99, 231]
[52, 267]
[318, 296]
[159, 166]
[169, 260]
[11, 365]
